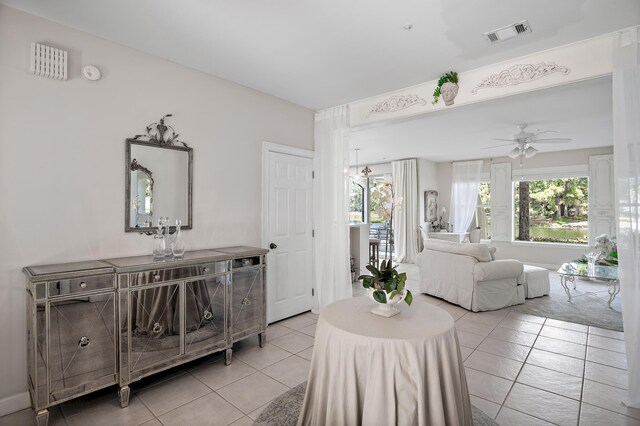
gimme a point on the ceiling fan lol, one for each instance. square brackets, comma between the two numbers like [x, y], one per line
[524, 140]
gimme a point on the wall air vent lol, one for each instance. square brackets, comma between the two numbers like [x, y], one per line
[510, 31]
[47, 61]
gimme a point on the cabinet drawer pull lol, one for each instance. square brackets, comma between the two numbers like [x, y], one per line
[156, 277]
[206, 269]
[83, 342]
[207, 315]
[83, 284]
[157, 328]
[246, 301]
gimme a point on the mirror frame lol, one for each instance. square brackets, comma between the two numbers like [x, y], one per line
[127, 193]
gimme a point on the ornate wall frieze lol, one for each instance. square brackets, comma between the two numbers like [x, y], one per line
[396, 103]
[520, 73]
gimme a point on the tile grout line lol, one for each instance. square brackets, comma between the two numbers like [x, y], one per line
[519, 371]
[584, 370]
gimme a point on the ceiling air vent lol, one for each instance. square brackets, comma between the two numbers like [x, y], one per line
[510, 31]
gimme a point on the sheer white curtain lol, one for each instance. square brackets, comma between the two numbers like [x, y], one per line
[626, 139]
[331, 207]
[465, 183]
[404, 179]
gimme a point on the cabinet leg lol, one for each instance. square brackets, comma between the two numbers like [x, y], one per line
[262, 339]
[42, 417]
[124, 396]
[227, 356]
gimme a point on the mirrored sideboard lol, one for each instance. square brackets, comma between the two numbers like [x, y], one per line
[100, 323]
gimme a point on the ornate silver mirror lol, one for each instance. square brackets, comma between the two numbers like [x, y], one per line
[158, 182]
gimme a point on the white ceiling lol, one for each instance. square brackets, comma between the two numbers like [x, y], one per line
[581, 111]
[328, 52]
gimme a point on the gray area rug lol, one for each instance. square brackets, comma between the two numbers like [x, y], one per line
[588, 304]
[285, 409]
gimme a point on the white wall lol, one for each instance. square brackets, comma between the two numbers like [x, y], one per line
[62, 159]
[427, 181]
[534, 253]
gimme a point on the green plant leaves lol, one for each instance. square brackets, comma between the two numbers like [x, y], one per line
[451, 76]
[386, 280]
[408, 298]
[374, 271]
[367, 280]
[380, 296]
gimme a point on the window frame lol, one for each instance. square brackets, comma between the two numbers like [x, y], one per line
[552, 173]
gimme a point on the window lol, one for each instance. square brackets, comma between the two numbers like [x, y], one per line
[552, 210]
[379, 197]
[356, 202]
[483, 210]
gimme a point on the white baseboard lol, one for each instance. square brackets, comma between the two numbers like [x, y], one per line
[14, 403]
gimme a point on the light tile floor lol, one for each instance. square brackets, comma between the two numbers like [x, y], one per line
[520, 369]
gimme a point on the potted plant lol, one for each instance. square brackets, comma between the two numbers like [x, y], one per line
[387, 288]
[447, 87]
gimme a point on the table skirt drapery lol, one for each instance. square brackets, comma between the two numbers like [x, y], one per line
[370, 370]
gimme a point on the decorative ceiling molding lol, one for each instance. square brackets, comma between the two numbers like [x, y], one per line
[520, 73]
[396, 103]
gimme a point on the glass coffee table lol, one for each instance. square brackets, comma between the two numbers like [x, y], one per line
[609, 274]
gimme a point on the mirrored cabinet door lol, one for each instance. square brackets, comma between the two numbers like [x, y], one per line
[154, 318]
[205, 320]
[247, 305]
[82, 345]
[37, 334]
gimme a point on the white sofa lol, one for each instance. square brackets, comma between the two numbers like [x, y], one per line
[467, 275]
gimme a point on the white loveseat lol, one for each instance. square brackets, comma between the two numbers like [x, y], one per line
[467, 275]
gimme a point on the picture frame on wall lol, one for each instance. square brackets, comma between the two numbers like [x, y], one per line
[431, 206]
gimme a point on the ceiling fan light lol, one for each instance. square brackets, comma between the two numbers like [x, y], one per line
[530, 152]
[515, 152]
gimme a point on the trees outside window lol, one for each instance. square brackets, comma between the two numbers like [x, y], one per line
[552, 210]
[483, 210]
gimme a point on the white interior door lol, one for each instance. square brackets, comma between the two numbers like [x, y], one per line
[289, 235]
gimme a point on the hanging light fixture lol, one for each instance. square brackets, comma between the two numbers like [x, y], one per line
[530, 152]
[355, 174]
[365, 172]
[514, 153]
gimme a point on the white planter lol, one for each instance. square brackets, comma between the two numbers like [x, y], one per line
[449, 91]
[387, 309]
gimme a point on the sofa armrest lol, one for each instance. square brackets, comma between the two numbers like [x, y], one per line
[497, 269]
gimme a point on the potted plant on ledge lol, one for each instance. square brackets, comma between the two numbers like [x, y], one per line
[447, 87]
[387, 288]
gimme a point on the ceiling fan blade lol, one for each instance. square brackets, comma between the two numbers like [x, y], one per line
[546, 131]
[506, 140]
[552, 140]
[497, 146]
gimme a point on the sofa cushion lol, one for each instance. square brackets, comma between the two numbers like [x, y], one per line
[479, 251]
[497, 270]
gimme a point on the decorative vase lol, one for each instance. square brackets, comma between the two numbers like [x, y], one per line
[475, 236]
[449, 92]
[178, 244]
[387, 309]
[159, 246]
[168, 238]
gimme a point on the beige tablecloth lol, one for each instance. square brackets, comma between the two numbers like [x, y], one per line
[371, 370]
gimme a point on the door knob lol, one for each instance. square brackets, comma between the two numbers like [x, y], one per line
[273, 246]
